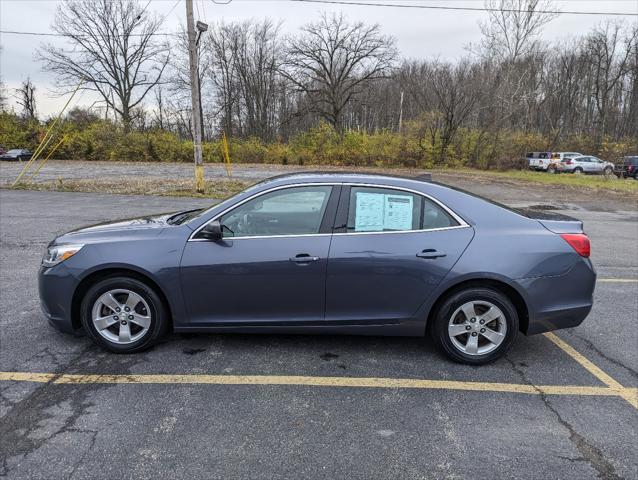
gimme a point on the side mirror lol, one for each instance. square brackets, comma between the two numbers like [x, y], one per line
[212, 231]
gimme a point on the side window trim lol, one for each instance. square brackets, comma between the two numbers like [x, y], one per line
[343, 211]
[327, 213]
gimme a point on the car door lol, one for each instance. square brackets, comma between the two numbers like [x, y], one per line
[596, 165]
[393, 247]
[270, 266]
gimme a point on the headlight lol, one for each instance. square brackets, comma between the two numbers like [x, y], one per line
[60, 253]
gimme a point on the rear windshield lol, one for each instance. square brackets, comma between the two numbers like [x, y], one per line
[532, 213]
[631, 160]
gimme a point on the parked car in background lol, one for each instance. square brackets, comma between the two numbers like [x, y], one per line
[549, 161]
[17, 154]
[627, 169]
[556, 161]
[587, 164]
[538, 160]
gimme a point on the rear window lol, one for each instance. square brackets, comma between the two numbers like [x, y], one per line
[631, 160]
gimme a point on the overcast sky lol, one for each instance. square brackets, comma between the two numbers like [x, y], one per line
[419, 33]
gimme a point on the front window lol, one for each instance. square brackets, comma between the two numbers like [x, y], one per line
[289, 211]
[375, 209]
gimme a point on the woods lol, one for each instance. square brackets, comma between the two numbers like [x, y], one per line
[343, 82]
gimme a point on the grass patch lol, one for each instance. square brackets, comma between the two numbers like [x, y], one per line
[139, 186]
[593, 182]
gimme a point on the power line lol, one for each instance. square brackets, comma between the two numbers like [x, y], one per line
[470, 9]
[49, 34]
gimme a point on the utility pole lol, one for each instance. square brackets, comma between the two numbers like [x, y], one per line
[195, 98]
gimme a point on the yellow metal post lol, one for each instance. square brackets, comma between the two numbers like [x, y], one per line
[226, 152]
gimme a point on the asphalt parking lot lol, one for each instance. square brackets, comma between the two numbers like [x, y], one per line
[248, 406]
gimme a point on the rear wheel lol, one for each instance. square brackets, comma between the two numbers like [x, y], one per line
[123, 315]
[578, 170]
[475, 325]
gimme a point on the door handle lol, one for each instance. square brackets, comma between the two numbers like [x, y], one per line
[430, 253]
[303, 258]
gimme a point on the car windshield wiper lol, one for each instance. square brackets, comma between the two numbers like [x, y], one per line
[182, 217]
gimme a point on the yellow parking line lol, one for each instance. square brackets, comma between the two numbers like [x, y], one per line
[629, 394]
[360, 382]
[617, 280]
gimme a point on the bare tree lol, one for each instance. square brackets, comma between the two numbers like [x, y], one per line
[513, 27]
[114, 50]
[333, 59]
[609, 57]
[25, 97]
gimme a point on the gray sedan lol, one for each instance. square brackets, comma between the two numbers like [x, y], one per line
[326, 253]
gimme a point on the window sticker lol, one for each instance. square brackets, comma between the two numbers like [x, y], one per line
[369, 212]
[376, 212]
[398, 212]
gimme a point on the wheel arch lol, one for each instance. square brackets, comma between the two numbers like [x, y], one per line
[506, 289]
[103, 273]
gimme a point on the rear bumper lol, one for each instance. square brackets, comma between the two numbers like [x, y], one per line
[56, 286]
[559, 302]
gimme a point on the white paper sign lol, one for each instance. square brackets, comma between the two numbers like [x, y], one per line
[376, 212]
[369, 212]
[397, 212]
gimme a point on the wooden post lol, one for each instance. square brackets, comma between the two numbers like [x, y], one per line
[195, 99]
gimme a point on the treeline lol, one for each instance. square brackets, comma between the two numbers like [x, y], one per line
[338, 91]
[88, 137]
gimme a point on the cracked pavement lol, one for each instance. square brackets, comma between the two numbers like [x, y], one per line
[53, 431]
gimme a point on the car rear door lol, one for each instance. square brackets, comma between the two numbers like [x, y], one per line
[391, 249]
[270, 267]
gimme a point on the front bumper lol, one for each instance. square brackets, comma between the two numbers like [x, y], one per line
[56, 286]
[562, 301]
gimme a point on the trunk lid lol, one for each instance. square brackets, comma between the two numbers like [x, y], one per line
[552, 221]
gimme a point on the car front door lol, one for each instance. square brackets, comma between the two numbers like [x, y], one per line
[392, 250]
[269, 268]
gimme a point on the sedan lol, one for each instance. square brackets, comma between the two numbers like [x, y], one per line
[326, 253]
[16, 154]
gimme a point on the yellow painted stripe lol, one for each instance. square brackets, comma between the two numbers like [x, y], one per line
[617, 280]
[629, 394]
[361, 382]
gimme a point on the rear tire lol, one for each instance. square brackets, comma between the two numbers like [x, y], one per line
[458, 332]
[578, 171]
[123, 315]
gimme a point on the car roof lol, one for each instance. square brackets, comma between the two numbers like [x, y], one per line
[346, 176]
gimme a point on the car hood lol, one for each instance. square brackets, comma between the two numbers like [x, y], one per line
[140, 223]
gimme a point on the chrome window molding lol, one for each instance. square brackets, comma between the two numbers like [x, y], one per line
[461, 223]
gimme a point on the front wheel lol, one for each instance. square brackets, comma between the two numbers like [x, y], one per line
[475, 326]
[123, 315]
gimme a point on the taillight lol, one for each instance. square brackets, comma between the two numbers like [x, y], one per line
[579, 242]
[630, 168]
[568, 162]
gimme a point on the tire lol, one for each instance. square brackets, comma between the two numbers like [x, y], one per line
[452, 315]
[144, 304]
[551, 169]
[608, 171]
[578, 171]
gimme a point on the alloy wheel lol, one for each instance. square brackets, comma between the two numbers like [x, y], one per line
[477, 327]
[121, 316]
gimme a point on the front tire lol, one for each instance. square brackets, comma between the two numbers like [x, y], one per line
[475, 326]
[123, 315]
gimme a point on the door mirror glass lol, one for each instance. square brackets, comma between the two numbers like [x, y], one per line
[212, 231]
